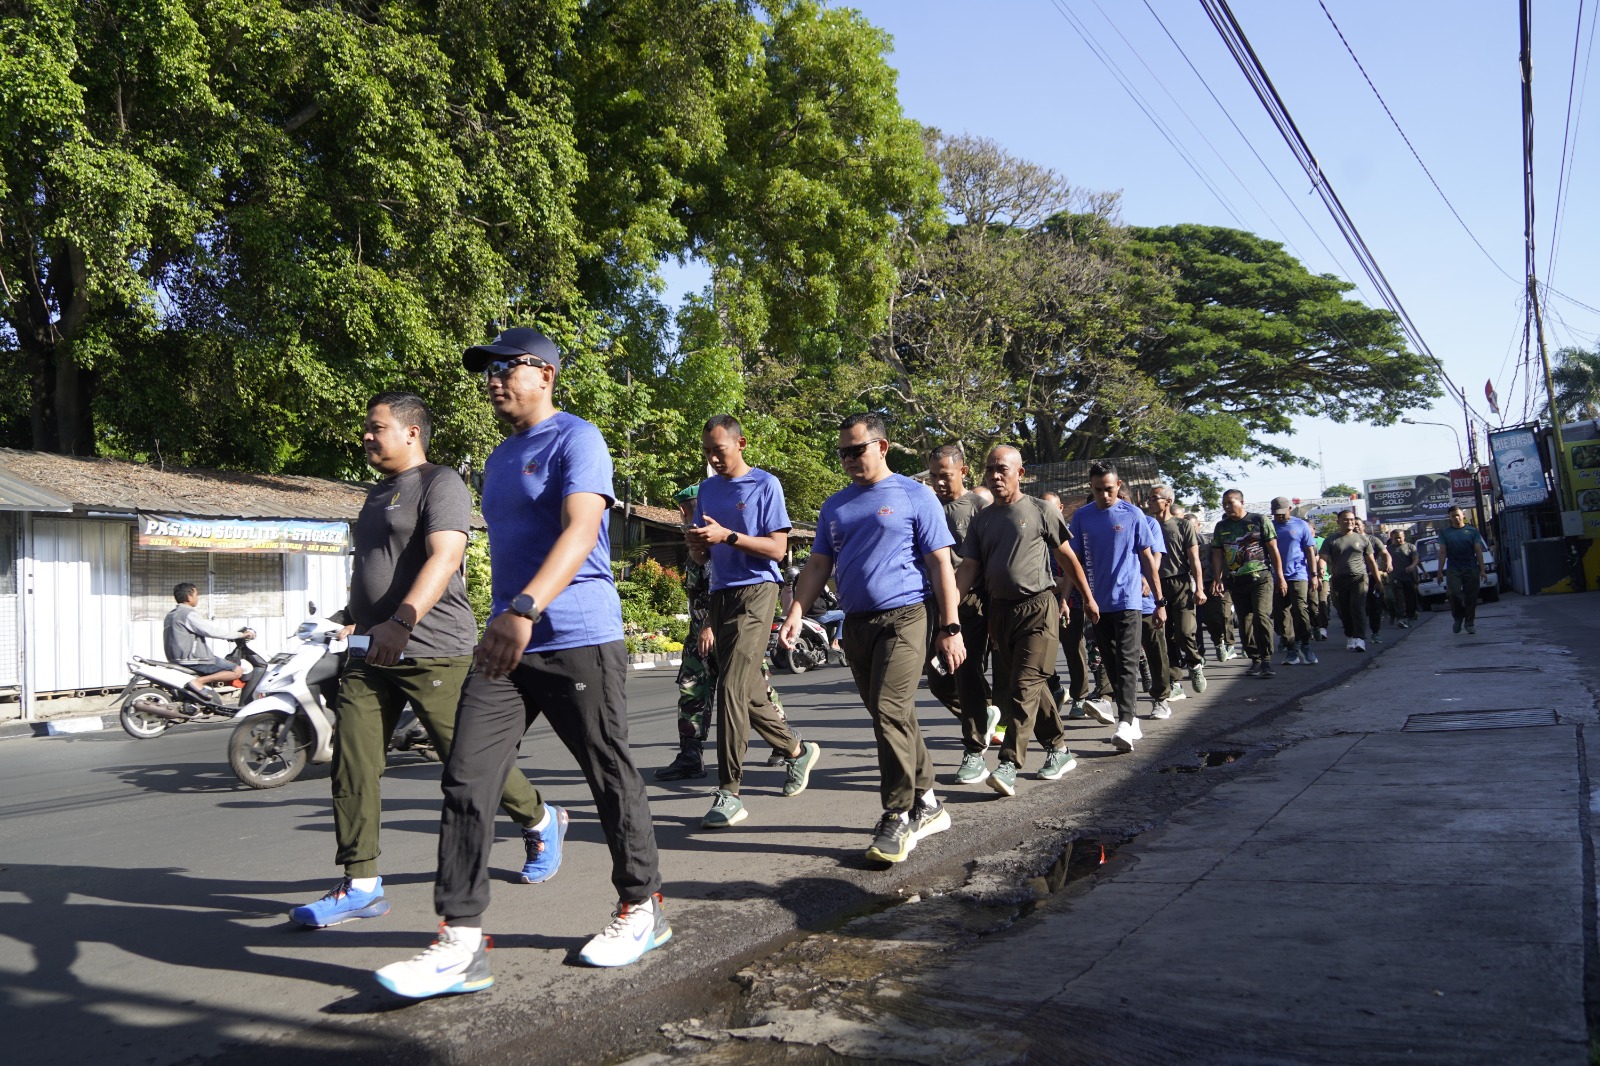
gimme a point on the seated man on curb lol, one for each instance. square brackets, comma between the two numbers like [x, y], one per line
[184, 638]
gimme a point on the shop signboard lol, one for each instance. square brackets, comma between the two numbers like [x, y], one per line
[1583, 474]
[1417, 498]
[295, 536]
[1518, 467]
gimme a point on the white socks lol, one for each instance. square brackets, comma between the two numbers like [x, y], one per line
[364, 884]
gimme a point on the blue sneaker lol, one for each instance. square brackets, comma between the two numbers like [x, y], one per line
[343, 903]
[544, 846]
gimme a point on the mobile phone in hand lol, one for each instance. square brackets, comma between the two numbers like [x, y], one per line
[938, 664]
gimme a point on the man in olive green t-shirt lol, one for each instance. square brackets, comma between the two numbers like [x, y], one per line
[1352, 565]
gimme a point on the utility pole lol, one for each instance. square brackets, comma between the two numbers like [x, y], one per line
[1563, 490]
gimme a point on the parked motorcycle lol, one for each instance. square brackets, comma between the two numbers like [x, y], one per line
[290, 722]
[158, 695]
[810, 647]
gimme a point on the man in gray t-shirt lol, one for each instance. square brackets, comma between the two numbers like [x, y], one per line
[184, 635]
[407, 596]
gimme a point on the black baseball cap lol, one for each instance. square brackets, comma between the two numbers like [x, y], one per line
[519, 340]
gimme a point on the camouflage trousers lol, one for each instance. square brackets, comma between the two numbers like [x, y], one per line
[697, 690]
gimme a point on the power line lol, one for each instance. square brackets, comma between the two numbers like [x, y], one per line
[1250, 145]
[1414, 154]
[1249, 63]
[1569, 132]
[1139, 102]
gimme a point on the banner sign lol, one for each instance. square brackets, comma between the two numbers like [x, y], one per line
[1418, 498]
[180, 533]
[1519, 467]
[1461, 488]
[1583, 474]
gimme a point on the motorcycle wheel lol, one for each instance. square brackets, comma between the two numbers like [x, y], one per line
[141, 724]
[805, 655]
[269, 750]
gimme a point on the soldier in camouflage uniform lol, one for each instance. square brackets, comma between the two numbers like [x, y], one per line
[697, 673]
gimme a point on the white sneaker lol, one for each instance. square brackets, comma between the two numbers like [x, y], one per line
[1104, 710]
[1161, 710]
[1360, 645]
[991, 728]
[1349, 643]
[1127, 733]
[1233, 652]
[1177, 693]
[635, 929]
[1322, 634]
[447, 966]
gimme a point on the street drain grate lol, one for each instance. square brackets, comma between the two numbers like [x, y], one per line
[1489, 670]
[1441, 721]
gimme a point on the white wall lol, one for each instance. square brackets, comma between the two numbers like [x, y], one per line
[78, 613]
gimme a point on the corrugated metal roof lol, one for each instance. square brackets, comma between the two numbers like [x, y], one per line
[88, 484]
[16, 495]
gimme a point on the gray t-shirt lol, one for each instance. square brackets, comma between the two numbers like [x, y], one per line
[1013, 544]
[1403, 555]
[1379, 547]
[1346, 554]
[958, 515]
[391, 546]
[1180, 537]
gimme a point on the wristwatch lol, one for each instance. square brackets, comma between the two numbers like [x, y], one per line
[951, 630]
[1161, 603]
[733, 538]
[523, 604]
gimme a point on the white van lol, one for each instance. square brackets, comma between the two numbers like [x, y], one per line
[1430, 589]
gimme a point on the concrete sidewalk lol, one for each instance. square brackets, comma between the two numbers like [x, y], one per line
[1372, 893]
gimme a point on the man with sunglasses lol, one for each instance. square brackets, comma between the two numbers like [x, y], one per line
[885, 536]
[553, 646]
[741, 528]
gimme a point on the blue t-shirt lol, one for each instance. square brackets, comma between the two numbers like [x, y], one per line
[876, 536]
[1460, 547]
[524, 483]
[1294, 537]
[1158, 544]
[1108, 542]
[751, 503]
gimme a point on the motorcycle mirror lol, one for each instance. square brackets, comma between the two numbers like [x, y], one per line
[311, 607]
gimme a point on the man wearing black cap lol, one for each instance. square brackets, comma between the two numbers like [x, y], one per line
[553, 646]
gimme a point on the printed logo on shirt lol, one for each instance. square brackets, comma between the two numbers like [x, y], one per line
[885, 511]
[394, 501]
[739, 506]
[531, 466]
[1117, 528]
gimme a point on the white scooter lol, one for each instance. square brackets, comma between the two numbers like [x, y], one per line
[290, 722]
[158, 695]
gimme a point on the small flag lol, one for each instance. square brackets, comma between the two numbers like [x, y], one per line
[1492, 396]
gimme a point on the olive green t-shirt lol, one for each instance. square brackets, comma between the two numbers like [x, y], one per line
[1403, 555]
[958, 515]
[1013, 544]
[1346, 554]
[1180, 536]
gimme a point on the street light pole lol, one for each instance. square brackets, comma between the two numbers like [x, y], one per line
[1460, 455]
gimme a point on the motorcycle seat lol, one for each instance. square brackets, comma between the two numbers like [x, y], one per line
[177, 666]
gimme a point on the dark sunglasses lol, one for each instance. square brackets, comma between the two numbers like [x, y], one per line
[499, 368]
[856, 451]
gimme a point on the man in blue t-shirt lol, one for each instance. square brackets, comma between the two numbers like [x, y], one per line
[554, 646]
[1117, 550]
[1461, 562]
[1302, 576]
[741, 527]
[883, 539]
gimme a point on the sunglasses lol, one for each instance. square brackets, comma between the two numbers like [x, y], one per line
[856, 451]
[499, 368]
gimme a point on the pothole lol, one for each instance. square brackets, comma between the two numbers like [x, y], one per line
[1206, 760]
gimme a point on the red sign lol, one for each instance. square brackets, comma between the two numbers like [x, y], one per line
[1461, 484]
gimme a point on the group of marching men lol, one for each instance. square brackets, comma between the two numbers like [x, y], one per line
[929, 580]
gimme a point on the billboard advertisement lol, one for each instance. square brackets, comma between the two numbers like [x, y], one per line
[1583, 474]
[181, 533]
[1417, 498]
[1518, 467]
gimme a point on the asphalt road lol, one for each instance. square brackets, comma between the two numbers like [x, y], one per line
[144, 892]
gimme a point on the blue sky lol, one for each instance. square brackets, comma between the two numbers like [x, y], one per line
[1018, 72]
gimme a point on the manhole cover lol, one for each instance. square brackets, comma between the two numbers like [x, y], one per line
[1489, 670]
[1440, 721]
